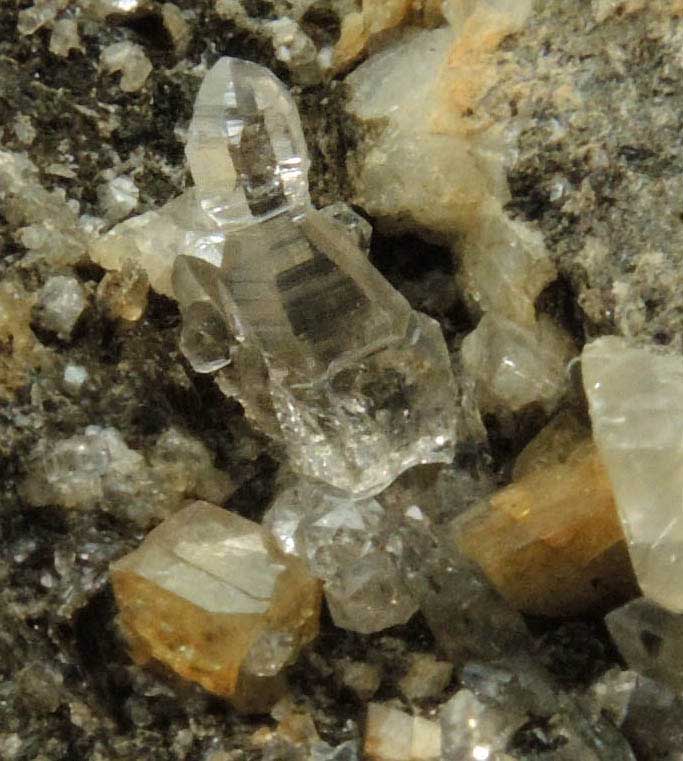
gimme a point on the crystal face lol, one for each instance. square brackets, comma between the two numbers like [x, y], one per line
[551, 541]
[650, 640]
[206, 596]
[345, 543]
[329, 357]
[246, 148]
[636, 407]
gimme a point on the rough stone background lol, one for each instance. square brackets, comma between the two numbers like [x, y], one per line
[68, 690]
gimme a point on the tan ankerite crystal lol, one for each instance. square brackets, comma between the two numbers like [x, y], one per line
[205, 596]
[551, 542]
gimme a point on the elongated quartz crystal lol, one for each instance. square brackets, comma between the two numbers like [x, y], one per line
[331, 358]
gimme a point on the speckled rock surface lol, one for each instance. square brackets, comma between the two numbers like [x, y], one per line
[599, 164]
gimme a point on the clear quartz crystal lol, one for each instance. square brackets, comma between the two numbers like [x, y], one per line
[471, 730]
[351, 222]
[650, 640]
[344, 543]
[360, 385]
[246, 148]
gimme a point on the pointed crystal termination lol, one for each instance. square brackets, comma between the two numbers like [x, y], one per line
[246, 148]
[206, 596]
[357, 384]
[636, 407]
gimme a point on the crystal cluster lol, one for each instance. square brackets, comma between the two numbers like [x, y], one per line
[347, 544]
[483, 720]
[48, 225]
[438, 166]
[206, 596]
[360, 385]
[98, 469]
[635, 405]
[280, 302]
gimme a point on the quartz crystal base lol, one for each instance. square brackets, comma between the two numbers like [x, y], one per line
[327, 356]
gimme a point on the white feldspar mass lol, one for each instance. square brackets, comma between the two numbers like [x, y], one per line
[357, 385]
[414, 174]
[636, 406]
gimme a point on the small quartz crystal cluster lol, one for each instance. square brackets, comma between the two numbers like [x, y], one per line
[356, 385]
[389, 502]
[281, 304]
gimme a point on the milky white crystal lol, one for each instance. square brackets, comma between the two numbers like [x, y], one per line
[118, 197]
[131, 60]
[393, 735]
[504, 266]
[61, 302]
[636, 405]
[516, 365]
